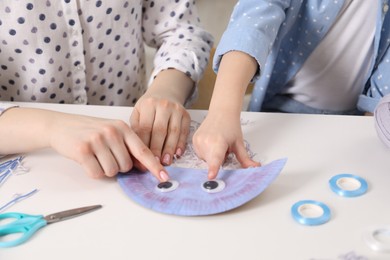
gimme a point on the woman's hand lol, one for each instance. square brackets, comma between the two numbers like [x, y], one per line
[159, 117]
[103, 147]
[162, 125]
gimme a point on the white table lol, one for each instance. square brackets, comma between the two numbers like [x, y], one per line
[317, 146]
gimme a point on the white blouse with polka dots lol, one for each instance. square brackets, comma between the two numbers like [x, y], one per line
[92, 51]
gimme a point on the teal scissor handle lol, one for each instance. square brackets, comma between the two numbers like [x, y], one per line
[24, 224]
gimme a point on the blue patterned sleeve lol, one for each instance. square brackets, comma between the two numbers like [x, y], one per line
[252, 29]
[378, 86]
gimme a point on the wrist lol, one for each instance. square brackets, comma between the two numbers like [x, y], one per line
[173, 85]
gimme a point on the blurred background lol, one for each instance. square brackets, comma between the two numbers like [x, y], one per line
[214, 15]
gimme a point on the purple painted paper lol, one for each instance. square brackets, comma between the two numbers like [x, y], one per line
[382, 120]
[189, 199]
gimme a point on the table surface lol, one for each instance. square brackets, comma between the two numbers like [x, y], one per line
[317, 147]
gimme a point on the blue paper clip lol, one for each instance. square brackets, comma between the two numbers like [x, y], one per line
[9, 167]
[17, 198]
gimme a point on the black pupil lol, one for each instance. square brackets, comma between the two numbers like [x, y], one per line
[164, 185]
[210, 185]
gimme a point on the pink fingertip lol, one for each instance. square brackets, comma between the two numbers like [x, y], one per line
[164, 176]
[179, 152]
[167, 159]
[211, 176]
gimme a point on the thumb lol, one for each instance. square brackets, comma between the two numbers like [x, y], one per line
[243, 157]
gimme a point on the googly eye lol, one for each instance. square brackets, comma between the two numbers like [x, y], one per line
[167, 186]
[213, 186]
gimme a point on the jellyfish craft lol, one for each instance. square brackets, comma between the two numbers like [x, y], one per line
[190, 193]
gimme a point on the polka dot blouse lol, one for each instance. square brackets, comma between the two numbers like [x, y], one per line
[92, 51]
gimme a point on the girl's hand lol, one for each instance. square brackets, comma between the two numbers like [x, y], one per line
[216, 138]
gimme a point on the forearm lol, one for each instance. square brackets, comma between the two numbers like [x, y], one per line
[234, 75]
[24, 130]
[171, 84]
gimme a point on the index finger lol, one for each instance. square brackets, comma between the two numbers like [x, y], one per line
[143, 154]
[214, 161]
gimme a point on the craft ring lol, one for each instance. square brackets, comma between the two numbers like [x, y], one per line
[337, 181]
[300, 206]
[372, 240]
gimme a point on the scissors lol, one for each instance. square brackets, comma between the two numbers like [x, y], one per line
[26, 225]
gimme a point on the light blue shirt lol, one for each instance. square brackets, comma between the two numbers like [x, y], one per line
[281, 34]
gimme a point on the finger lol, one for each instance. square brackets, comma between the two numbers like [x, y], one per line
[114, 145]
[85, 156]
[122, 157]
[142, 153]
[243, 157]
[185, 131]
[213, 171]
[159, 133]
[92, 167]
[145, 126]
[171, 142]
[139, 165]
[107, 161]
[215, 161]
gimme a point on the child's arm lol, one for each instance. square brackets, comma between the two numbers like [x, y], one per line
[100, 146]
[220, 133]
[159, 117]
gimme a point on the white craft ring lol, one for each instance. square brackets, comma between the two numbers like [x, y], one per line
[299, 206]
[371, 238]
[336, 180]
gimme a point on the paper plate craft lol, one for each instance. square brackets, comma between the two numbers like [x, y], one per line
[190, 193]
[190, 160]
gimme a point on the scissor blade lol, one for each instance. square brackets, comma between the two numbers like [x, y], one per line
[64, 215]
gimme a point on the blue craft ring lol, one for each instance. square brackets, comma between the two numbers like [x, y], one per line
[310, 221]
[333, 182]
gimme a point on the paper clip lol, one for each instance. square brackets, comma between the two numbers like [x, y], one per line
[11, 167]
[17, 198]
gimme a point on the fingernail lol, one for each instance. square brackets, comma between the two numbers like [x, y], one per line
[167, 159]
[157, 158]
[164, 176]
[179, 152]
